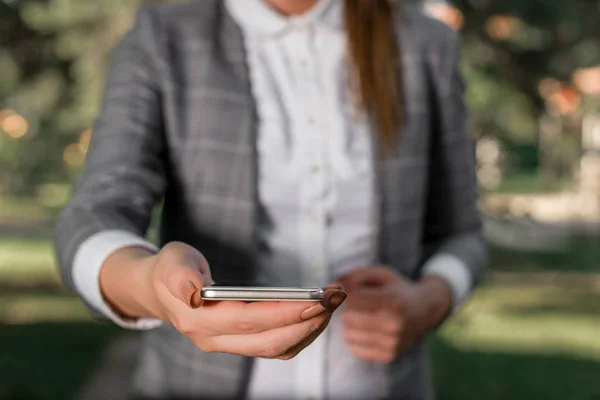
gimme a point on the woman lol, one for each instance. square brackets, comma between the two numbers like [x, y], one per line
[295, 143]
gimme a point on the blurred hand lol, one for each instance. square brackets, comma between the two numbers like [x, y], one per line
[262, 329]
[386, 314]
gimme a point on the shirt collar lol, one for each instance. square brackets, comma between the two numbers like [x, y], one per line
[256, 16]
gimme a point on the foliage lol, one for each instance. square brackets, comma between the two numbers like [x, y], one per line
[515, 47]
[53, 57]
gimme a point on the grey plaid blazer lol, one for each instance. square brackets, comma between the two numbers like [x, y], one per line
[179, 123]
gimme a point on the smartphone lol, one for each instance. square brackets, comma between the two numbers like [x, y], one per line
[261, 293]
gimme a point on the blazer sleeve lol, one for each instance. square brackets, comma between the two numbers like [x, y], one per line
[125, 172]
[453, 238]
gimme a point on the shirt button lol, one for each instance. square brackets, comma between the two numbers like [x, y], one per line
[314, 217]
[304, 62]
[315, 170]
[311, 122]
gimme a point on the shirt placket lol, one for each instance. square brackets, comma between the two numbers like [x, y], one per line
[313, 219]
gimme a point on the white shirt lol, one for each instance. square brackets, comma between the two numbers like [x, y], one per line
[315, 185]
[315, 191]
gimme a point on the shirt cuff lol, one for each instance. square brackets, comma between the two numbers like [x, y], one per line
[454, 271]
[87, 264]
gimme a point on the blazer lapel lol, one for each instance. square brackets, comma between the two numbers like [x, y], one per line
[233, 176]
[394, 169]
[230, 71]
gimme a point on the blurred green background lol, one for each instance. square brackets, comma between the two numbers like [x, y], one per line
[531, 331]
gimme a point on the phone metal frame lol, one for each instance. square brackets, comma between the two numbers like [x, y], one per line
[218, 293]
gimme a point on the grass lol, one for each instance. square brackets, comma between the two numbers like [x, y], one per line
[50, 345]
[463, 374]
[26, 210]
[529, 319]
[578, 255]
[33, 307]
[26, 259]
[49, 361]
[520, 341]
[531, 183]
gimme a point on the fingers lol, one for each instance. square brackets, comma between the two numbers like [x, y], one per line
[184, 271]
[370, 345]
[354, 337]
[256, 329]
[333, 297]
[371, 354]
[295, 350]
[369, 322]
[367, 277]
[235, 318]
[368, 300]
[275, 343]
[374, 337]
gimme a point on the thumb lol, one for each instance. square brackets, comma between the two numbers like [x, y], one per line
[367, 277]
[185, 273]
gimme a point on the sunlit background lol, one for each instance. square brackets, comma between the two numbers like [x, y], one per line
[532, 331]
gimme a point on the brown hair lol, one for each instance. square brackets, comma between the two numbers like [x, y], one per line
[375, 56]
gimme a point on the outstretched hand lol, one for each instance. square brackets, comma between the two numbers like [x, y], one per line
[278, 330]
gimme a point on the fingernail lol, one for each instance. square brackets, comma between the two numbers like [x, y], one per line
[312, 312]
[335, 300]
[188, 292]
[196, 300]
